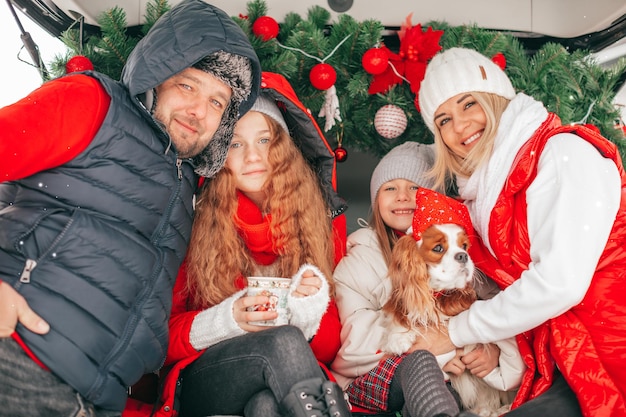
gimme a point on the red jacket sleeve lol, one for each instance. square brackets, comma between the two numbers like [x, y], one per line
[51, 125]
[180, 321]
[327, 341]
[340, 235]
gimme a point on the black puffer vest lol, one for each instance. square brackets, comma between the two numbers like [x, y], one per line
[99, 265]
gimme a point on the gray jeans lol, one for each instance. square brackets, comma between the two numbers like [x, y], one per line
[248, 375]
[28, 390]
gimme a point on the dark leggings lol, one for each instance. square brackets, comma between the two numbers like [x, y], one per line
[558, 401]
[248, 375]
[418, 388]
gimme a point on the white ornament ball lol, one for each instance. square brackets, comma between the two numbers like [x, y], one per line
[390, 121]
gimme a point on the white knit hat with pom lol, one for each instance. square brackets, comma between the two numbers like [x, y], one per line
[459, 70]
[409, 161]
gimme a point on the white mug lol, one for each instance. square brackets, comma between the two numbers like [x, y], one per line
[277, 289]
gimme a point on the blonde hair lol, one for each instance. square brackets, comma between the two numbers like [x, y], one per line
[448, 165]
[300, 225]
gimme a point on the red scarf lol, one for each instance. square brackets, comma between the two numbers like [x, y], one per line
[254, 229]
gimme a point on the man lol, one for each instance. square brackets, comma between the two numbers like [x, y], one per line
[96, 210]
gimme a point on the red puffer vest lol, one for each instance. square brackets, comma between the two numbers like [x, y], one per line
[588, 342]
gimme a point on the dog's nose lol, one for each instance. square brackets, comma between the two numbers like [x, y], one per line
[461, 257]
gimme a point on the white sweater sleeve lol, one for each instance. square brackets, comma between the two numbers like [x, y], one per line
[306, 312]
[215, 324]
[572, 204]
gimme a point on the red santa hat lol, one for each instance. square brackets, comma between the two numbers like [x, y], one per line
[435, 208]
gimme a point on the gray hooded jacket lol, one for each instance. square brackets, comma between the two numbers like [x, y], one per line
[95, 245]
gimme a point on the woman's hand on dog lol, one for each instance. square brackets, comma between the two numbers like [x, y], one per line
[435, 340]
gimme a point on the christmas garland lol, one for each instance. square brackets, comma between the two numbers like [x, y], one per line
[363, 92]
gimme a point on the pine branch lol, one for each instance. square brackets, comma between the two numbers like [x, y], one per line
[318, 16]
[154, 10]
[115, 45]
[256, 9]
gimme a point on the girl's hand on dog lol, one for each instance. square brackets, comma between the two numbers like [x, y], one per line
[309, 285]
[482, 360]
[455, 366]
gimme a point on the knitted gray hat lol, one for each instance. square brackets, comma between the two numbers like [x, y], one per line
[236, 72]
[455, 71]
[409, 161]
[268, 107]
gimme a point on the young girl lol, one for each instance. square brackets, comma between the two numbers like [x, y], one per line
[263, 214]
[412, 383]
[548, 203]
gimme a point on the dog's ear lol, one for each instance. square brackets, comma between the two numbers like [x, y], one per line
[406, 265]
[411, 295]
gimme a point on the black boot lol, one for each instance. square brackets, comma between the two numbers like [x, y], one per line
[315, 398]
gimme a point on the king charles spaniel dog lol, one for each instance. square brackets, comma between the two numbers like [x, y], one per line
[431, 276]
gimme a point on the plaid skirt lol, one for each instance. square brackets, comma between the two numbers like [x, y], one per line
[371, 391]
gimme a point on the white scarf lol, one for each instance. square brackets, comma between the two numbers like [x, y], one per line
[518, 123]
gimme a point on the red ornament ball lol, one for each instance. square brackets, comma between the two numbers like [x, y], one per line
[390, 121]
[341, 154]
[265, 27]
[322, 76]
[78, 63]
[375, 61]
[500, 60]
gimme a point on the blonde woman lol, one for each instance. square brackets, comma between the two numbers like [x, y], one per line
[548, 203]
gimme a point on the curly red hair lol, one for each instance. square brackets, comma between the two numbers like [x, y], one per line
[300, 225]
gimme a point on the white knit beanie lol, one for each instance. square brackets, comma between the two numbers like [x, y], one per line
[459, 70]
[409, 161]
[269, 108]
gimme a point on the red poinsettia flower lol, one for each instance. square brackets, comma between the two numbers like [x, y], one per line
[417, 47]
[414, 72]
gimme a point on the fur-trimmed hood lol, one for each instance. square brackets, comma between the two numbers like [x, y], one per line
[307, 135]
[181, 38]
